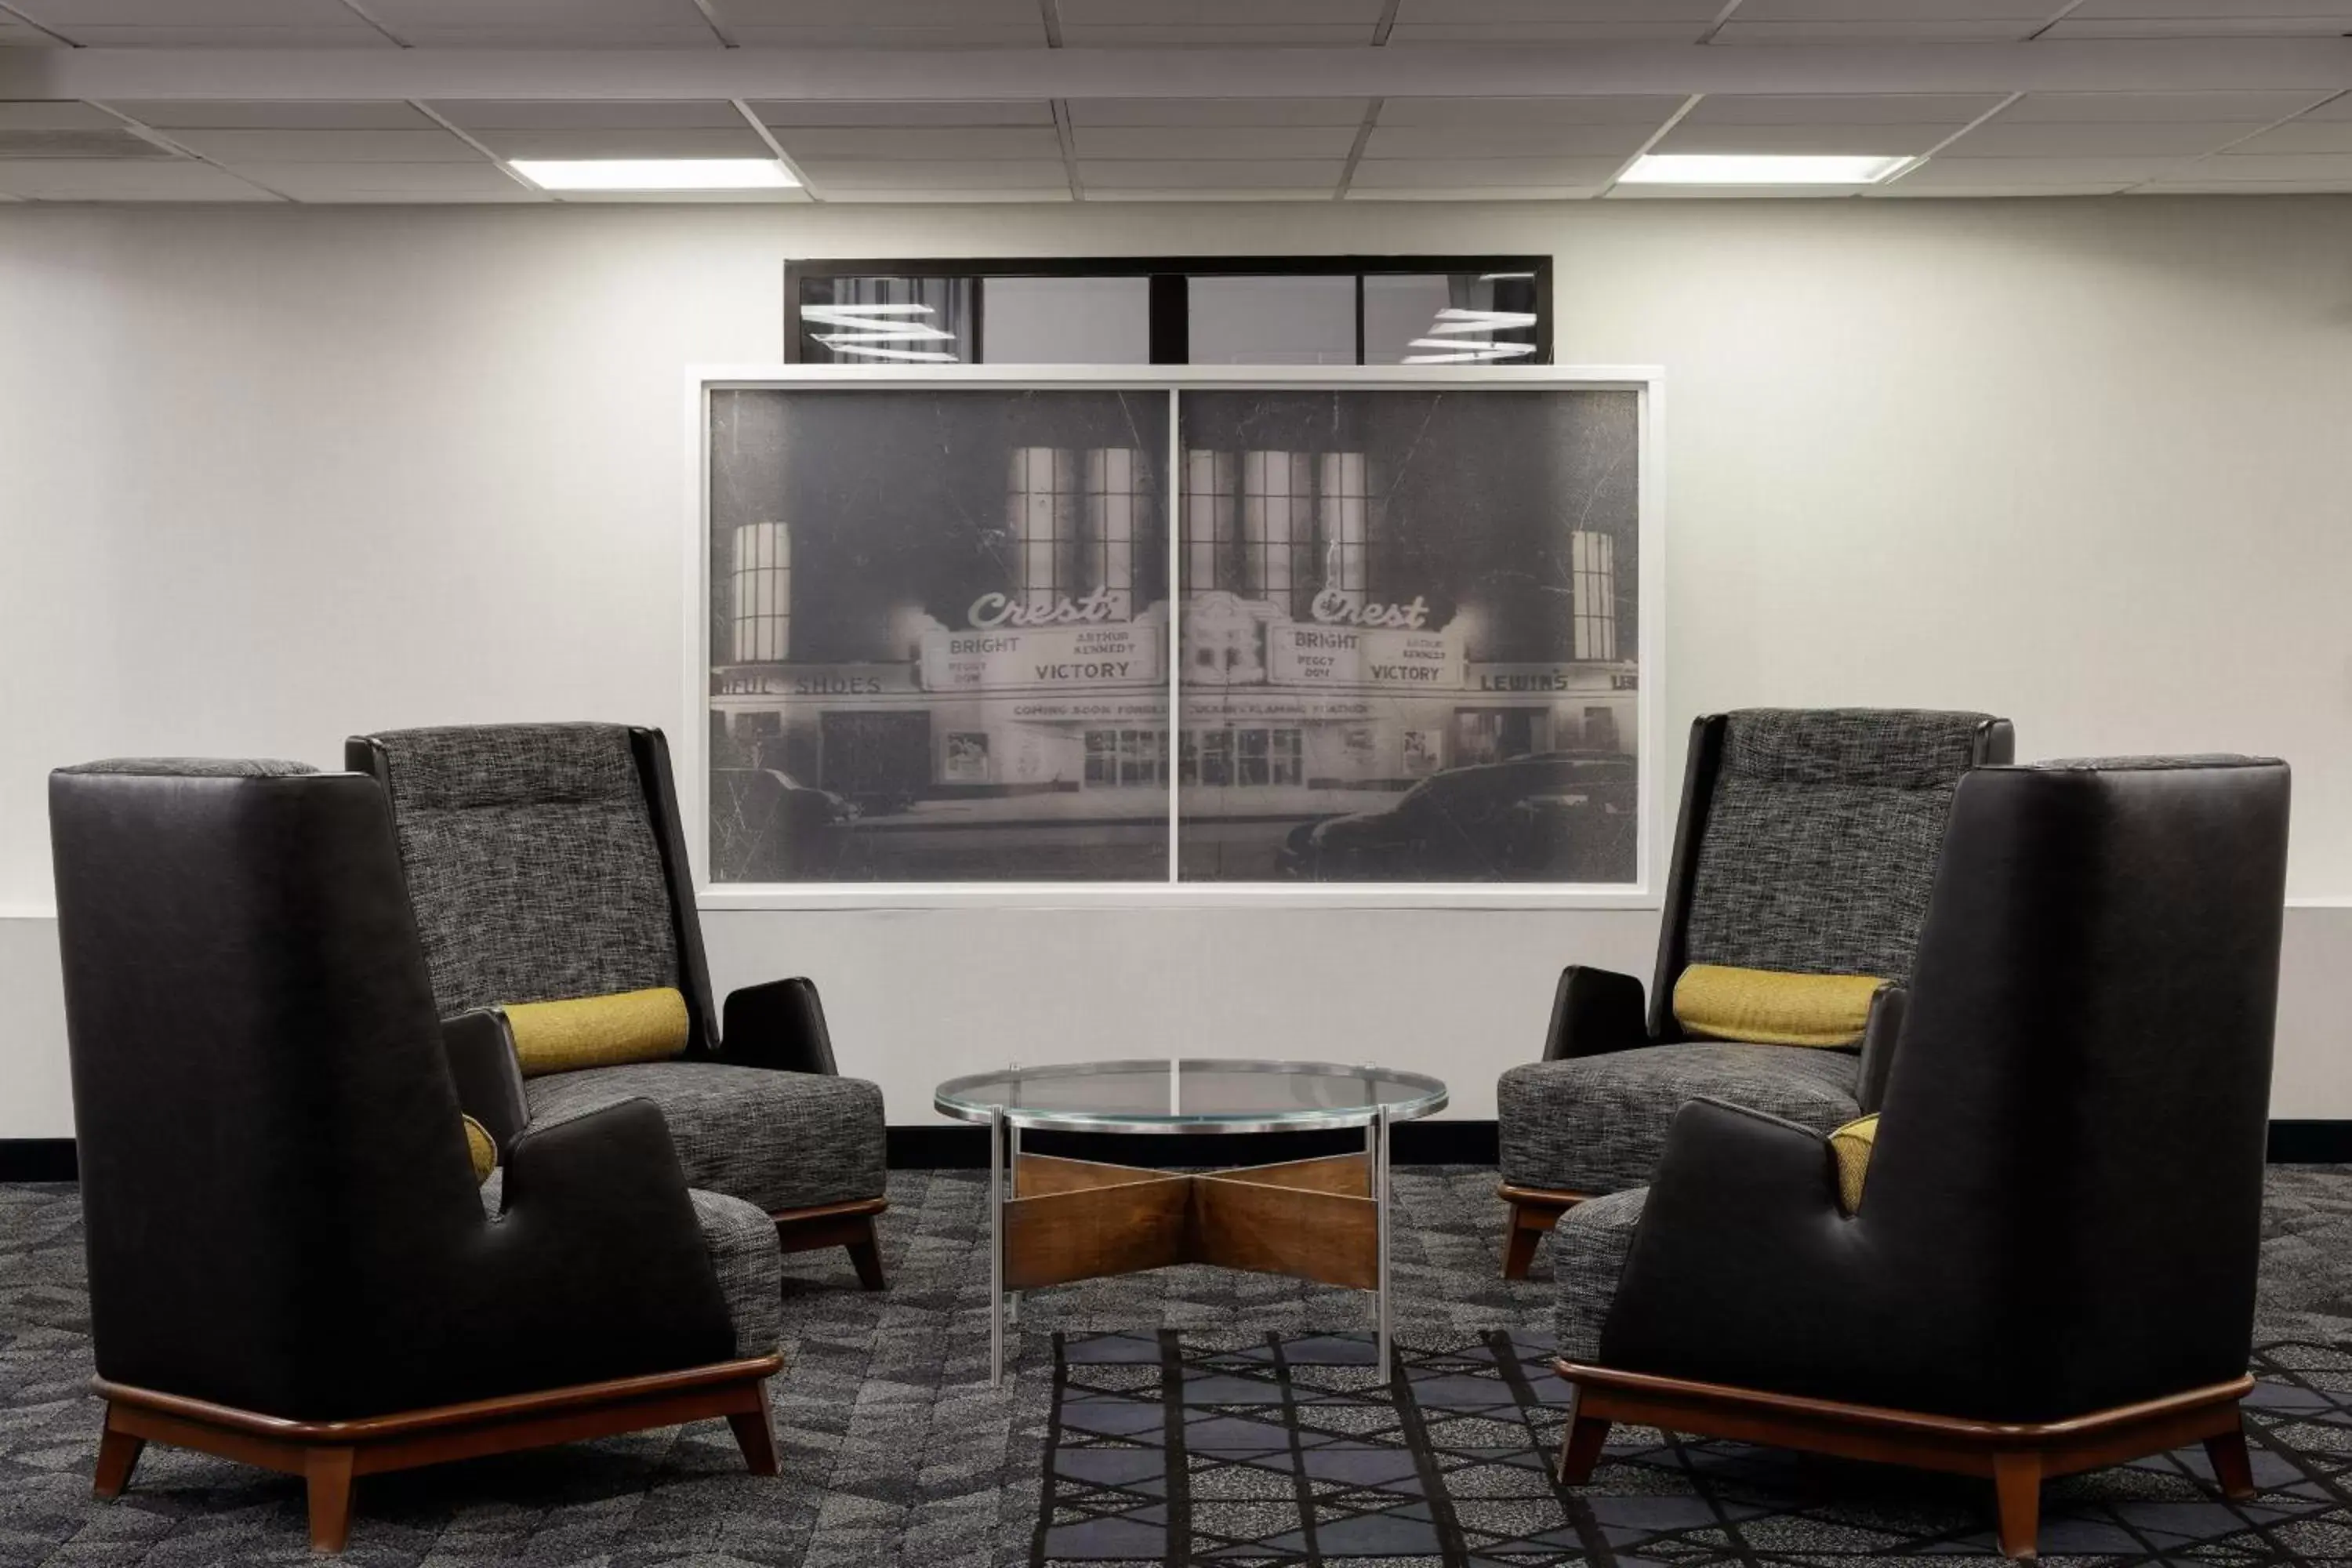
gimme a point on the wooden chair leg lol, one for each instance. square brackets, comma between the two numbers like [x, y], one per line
[2017, 1490]
[866, 1253]
[2231, 1467]
[1581, 1450]
[327, 1472]
[754, 1436]
[1519, 1243]
[118, 1456]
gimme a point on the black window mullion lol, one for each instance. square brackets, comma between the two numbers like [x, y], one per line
[1171, 331]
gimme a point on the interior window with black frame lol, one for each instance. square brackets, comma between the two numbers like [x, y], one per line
[1236, 311]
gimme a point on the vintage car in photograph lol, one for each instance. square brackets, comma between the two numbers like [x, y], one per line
[1554, 816]
[776, 828]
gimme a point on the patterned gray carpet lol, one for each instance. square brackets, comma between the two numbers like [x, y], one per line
[895, 1451]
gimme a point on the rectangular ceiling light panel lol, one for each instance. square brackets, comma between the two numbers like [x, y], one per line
[1763, 169]
[654, 174]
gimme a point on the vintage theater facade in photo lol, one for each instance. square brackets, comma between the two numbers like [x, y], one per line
[964, 672]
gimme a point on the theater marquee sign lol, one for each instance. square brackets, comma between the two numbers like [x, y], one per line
[1406, 615]
[1054, 658]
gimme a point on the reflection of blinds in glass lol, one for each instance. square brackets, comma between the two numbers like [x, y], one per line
[1041, 503]
[1592, 567]
[1117, 501]
[1278, 491]
[763, 593]
[859, 320]
[1208, 519]
[1341, 516]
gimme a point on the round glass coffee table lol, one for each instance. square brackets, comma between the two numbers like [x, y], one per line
[1054, 1220]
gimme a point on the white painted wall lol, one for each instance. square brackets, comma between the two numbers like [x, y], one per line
[271, 477]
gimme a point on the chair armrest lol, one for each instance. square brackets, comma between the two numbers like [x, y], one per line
[1740, 1272]
[1593, 1012]
[778, 1025]
[1880, 1030]
[489, 1075]
[595, 1266]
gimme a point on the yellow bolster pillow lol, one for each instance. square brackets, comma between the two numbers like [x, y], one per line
[1770, 1008]
[598, 1031]
[1851, 1143]
[484, 1149]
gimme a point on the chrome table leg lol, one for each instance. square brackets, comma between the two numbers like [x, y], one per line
[1012, 1189]
[1376, 1138]
[996, 1130]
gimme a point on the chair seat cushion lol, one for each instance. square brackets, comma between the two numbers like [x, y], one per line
[1598, 1124]
[1589, 1252]
[779, 1139]
[741, 1242]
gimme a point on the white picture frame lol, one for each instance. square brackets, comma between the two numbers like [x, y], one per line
[691, 746]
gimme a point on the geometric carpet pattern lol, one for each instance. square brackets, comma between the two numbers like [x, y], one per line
[895, 1449]
[1292, 1452]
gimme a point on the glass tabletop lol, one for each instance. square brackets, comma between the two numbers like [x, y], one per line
[1191, 1095]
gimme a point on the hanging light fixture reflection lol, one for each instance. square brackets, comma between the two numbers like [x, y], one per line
[870, 330]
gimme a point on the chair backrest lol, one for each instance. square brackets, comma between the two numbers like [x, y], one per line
[269, 1141]
[545, 861]
[2067, 1179]
[1807, 839]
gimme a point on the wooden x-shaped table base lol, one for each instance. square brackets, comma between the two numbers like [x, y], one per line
[1067, 1220]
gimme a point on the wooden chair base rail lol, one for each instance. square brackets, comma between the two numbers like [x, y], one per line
[2017, 1457]
[849, 1225]
[329, 1456]
[1534, 1211]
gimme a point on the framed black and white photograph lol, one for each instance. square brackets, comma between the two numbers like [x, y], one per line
[1327, 631]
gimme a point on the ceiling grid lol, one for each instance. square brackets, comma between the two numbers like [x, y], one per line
[1026, 101]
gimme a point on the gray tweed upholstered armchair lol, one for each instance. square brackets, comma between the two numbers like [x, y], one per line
[1807, 843]
[546, 863]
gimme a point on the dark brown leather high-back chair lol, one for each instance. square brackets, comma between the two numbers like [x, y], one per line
[1806, 842]
[290, 1260]
[2052, 1265]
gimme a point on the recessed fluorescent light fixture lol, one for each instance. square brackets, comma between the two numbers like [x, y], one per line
[1761, 169]
[654, 174]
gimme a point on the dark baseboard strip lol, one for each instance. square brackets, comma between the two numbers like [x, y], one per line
[37, 1160]
[937, 1148]
[2311, 1143]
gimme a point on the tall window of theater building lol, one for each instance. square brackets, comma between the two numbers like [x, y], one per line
[1341, 518]
[1278, 527]
[1212, 480]
[1278, 511]
[1080, 521]
[1593, 597]
[763, 621]
[1042, 507]
[1119, 506]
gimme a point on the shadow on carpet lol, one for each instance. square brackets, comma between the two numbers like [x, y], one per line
[1289, 1450]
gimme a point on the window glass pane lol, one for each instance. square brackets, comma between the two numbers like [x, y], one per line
[886, 321]
[1444, 687]
[1065, 321]
[1272, 321]
[946, 669]
[1466, 318]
